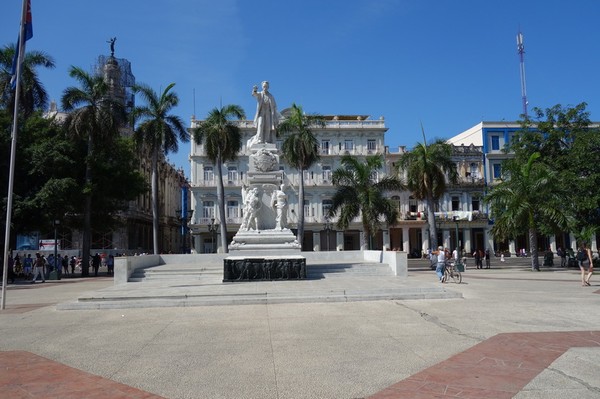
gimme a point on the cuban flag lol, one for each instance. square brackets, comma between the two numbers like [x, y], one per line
[27, 32]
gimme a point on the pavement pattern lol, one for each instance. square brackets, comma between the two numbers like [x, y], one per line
[513, 334]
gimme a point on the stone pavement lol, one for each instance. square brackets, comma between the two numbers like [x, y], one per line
[514, 333]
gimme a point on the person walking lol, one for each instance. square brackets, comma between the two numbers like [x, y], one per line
[487, 258]
[584, 256]
[478, 261]
[441, 263]
[38, 268]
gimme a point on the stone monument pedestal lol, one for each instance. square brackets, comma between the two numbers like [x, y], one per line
[248, 268]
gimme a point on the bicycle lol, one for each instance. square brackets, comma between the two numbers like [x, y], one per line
[452, 271]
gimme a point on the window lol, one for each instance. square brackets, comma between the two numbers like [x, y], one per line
[233, 209]
[474, 170]
[371, 145]
[413, 205]
[396, 201]
[232, 173]
[326, 173]
[496, 171]
[495, 143]
[307, 176]
[208, 173]
[455, 203]
[307, 208]
[325, 146]
[475, 203]
[327, 204]
[208, 209]
[348, 145]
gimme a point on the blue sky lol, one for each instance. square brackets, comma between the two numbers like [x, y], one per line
[447, 64]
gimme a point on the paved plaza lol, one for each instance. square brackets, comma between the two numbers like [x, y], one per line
[506, 332]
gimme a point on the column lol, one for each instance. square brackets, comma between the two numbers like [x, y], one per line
[425, 235]
[317, 241]
[386, 240]
[488, 239]
[553, 243]
[573, 242]
[446, 238]
[339, 240]
[406, 239]
[512, 248]
[594, 246]
[467, 241]
[364, 245]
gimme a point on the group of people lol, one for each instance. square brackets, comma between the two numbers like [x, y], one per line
[40, 266]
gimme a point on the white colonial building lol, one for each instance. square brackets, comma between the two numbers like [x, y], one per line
[460, 210]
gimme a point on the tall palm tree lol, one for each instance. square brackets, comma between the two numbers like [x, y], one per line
[159, 131]
[528, 199]
[222, 141]
[359, 193]
[33, 95]
[95, 116]
[300, 150]
[429, 169]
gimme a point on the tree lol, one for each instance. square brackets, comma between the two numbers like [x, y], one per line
[570, 146]
[429, 169]
[360, 193]
[159, 131]
[94, 115]
[33, 95]
[526, 199]
[222, 141]
[300, 150]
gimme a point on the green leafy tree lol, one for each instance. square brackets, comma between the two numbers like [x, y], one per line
[95, 116]
[159, 131]
[33, 95]
[526, 199]
[570, 146]
[429, 169]
[222, 140]
[300, 150]
[360, 194]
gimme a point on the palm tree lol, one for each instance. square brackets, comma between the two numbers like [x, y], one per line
[528, 199]
[33, 95]
[429, 168]
[359, 193]
[300, 150]
[95, 116]
[223, 141]
[159, 131]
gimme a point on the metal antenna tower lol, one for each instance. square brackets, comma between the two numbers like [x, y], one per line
[521, 51]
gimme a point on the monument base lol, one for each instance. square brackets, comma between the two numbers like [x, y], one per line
[280, 241]
[239, 268]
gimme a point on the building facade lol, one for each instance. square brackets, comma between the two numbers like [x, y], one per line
[460, 210]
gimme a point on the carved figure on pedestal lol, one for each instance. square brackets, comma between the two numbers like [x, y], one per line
[266, 119]
[279, 204]
[251, 206]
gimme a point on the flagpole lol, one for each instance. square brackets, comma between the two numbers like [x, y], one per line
[13, 150]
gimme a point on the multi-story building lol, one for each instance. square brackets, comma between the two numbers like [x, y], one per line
[356, 135]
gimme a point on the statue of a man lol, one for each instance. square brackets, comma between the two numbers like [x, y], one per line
[266, 119]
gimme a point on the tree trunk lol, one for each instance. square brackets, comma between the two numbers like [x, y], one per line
[433, 245]
[155, 215]
[535, 262]
[221, 199]
[87, 213]
[300, 234]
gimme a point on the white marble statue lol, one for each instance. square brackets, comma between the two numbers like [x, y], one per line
[279, 203]
[266, 119]
[251, 206]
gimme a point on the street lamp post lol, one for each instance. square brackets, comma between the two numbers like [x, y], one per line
[327, 226]
[213, 228]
